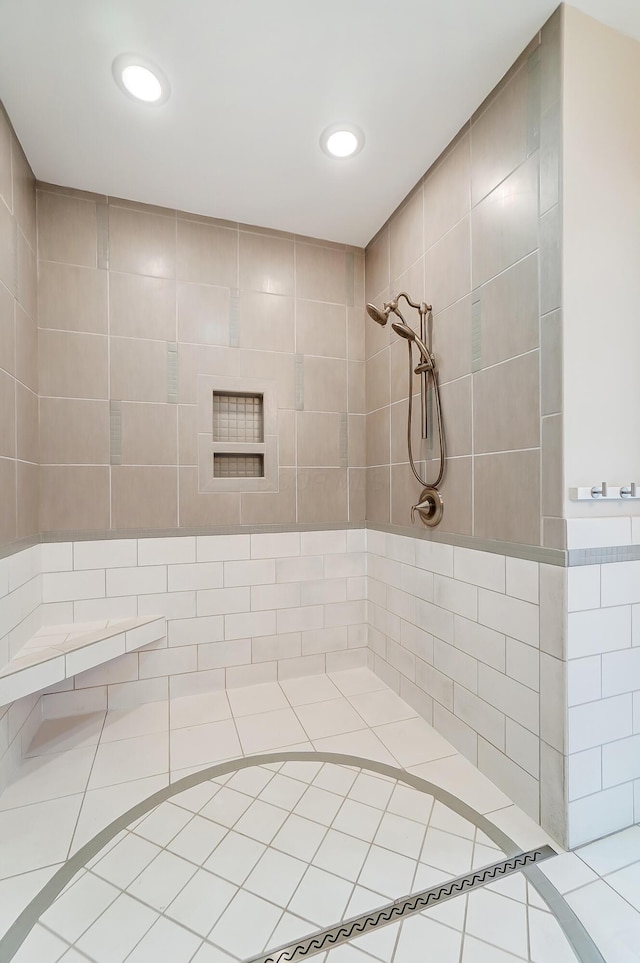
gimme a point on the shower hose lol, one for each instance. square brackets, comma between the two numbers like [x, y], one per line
[436, 391]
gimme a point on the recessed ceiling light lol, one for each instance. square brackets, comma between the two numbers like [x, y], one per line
[140, 79]
[342, 140]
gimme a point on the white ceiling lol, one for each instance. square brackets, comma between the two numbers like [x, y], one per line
[254, 83]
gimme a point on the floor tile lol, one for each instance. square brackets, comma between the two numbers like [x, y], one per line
[308, 689]
[319, 805]
[447, 852]
[165, 941]
[197, 840]
[420, 931]
[226, 807]
[201, 902]
[159, 884]
[627, 882]
[283, 791]
[354, 681]
[17, 891]
[341, 854]
[547, 939]
[497, 920]
[476, 951]
[413, 741]
[49, 777]
[321, 897]
[451, 822]
[299, 837]
[250, 781]
[129, 759]
[400, 835]
[359, 820]
[268, 731]
[613, 924]
[411, 804]
[567, 872]
[290, 928]
[119, 929]
[194, 710]
[338, 779]
[363, 744]
[321, 719]
[41, 946]
[234, 858]
[276, 877]
[231, 931]
[125, 861]
[141, 720]
[26, 838]
[197, 797]
[204, 745]
[261, 821]
[163, 823]
[613, 852]
[387, 873]
[253, 699]
[371, 790]
[381, 706]
[102, 806]
[211, 954]
[77, 908]
[521, 828]
[72, 732]
[462, 779]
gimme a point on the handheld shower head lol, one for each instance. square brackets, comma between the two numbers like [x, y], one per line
[406, 332]
[380, 317]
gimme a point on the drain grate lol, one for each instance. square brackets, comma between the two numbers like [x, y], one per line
[359, 925]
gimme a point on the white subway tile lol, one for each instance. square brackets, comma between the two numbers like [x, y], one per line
[242, 675]
[597, 631]
[277, 596]
[523, 748]
[250, 624]
[131, 694]
[385, 570]
[583, 587]
[316, 641]
[456, 596]
[480, 716]
[317, 593]
[223, 548]
[217, 655]
[454, 730]
[635, 531]
[401, 659]
[225, 601]
[514, 699]
[598, 532]
[436, 621]
[12, 612]
[480, 642]
[620, 583]
[385, 622]
[635, 625]
[59, 613]
[357, 540]
[596, 723]
[417, 581]
[401, 548]
[437, 685]
[345, 566]
[275, 544]
[522, 579]
[376, 592]
[621, 761]
[95, 610]
[254, 572]
[401, 604]
[191, 631]
[387, 673]
[434, 557]
[345, 613]
[553, 610]
[173, 605]
[69, 586]
[195, 683]
[553, 698]
[23, 566]
[584, 680]
[140, 635]
[376, 542]
[199, 575]
[123, 669]
[142, 580]
[323, 543]
[356, 588]
[377, 641]
[270, 648]
[620, 672]
[300, 569]
[519, 785]
[636, 712]
[55, 557]
[298, 619]
[78, 702]
[95, 654]
[456, 664]
[105, 553]
[166, 551]
[342, 661]
[38, 676]
[513, 617]
[584, 773]
[484, 569]
[184, 658]
[4, 576]
[357, 635]
[416, 640]
[598, 815]
[294, 668]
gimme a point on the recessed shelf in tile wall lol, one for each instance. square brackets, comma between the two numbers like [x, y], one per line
[238, 416]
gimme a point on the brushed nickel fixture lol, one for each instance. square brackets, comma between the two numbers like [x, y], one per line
[430, 506]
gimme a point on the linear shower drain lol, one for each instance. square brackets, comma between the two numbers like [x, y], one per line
[357, 926]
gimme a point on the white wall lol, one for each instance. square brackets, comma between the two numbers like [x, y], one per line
[601, 260]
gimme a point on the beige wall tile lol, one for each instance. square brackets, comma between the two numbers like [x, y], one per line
[505, 224]
[456, 416]
[320, 273]
[356, 387]
[406, 242]
[356, 320]
[203, 314]
[398, 416]
[451, 342]
[72, 365]
[72, 298]
[138, 370]
[554, 532]
[28, 507]
[7, 331]
[149, 434]
[270, 366]
[24, 194]
[506, 405]
[447, 192]
[552, 474]
[266, 264]
[507, 496]
[194, 360]
[457, 492]
[188, 434]
[499, 136]
[142, 243]
[207, 509]
[376, 336]
[377, 437]
[509, 314]
[144, 497]
[6, 191]
[377, 276]
[378, 494]
[7, 416]
[405, 492]
[551, 363]
[74, 498]
[399, 357]
[267, 321]
[377, 381]
[325, 384]
[321, 329]
[271, 508]
[8, 500]
[27, 446]
[357, 441]
[318, 437]
[8, 242]
[447, 267]
[67, 229]
[142, 307]
[27, 276]
[74, 432]
[28, 349]
[286, 437]
[322, 495]
[357, 494]
[207, 254]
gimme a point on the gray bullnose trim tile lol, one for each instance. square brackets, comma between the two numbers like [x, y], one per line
[12, 548]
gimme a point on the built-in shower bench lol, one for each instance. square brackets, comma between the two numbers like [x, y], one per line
[58, 652]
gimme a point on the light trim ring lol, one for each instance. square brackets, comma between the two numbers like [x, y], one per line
[341, 141]
[141, 74]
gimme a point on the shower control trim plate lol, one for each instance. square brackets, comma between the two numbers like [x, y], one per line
[430, 508]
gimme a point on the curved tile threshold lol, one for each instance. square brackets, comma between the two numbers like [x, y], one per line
[574, 932]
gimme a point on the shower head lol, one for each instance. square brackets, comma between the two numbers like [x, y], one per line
[406, 332]
[380, 317]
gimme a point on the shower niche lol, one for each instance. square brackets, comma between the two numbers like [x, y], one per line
[237, 435]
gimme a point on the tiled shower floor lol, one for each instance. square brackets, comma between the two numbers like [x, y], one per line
[252, 858]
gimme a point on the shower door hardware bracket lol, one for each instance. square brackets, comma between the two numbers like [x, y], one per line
[605, 492]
